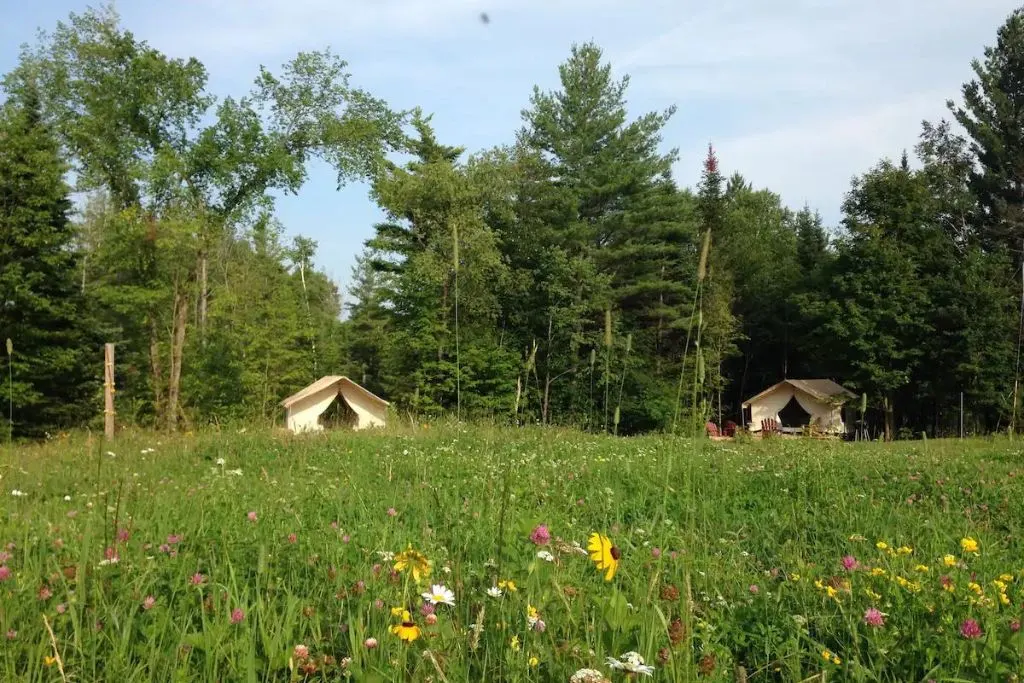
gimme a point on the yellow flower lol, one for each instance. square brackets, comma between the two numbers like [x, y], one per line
[508, 585]
[872, 594]
[514, 643]
[1004, 599]
[969, 545]
[949, 560]
[1008, 578]
[534, 662]
[604, 555]
[832, 593]
[878, 571]
[881, 545]
[836, 660]
[407, 631]
[49, 661]
[398, 611]
[1000, 586]
[794, 577]
[904, 550]
[949, 587]
[921, 568]
[975, 587]
[414, 561]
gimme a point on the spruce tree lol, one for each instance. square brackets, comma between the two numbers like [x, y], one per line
[57, 360]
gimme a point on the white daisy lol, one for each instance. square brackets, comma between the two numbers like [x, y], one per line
[494, 592]
[438, 595]
[631, 662]
[545, 555]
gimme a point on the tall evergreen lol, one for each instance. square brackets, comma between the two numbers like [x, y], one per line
[57, 356]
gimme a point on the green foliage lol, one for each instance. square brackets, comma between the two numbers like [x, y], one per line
[57, 356]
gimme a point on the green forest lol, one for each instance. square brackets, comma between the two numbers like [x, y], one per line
[563, 278]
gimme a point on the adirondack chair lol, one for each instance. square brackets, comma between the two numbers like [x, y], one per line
[770, 426]
[712, 429]
[730, 428]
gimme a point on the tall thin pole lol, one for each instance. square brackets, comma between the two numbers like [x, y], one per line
[1020, 331]
[961, 414]
[108, 390]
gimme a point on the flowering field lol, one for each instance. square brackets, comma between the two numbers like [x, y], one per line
[483, 555]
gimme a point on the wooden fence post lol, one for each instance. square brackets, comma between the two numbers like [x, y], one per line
[108, 390]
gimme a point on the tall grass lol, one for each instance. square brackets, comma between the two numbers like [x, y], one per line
[736, 543]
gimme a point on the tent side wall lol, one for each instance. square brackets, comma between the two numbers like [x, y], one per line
[768, 406]
[304, 414]
[370, 412]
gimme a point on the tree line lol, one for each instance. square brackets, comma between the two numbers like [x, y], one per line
[563, 278]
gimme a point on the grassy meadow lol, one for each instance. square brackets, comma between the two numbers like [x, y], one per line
[258, 556]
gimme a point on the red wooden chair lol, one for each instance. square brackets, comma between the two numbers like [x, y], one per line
[730, 428]
[770, 426]
[712, 429]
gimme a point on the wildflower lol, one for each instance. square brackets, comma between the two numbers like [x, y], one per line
[439, 595]
[794, 577]
[545, 555]
[251, 516]
[753, 588]
[881, 545]
[1000, 586]
[539, 626]
[969, 545]
[975, 587]
[62, 608]
[1015, 625]
[533, 662]
[45, 593]
[300, 652]
[874, 618]
[588, 676]
[514, 643]
[392, 512]
[947, 584]
[407, 631]
[370, 643]
[426, 608]
[604, 555]
[413, 561]
[11, 634]
[508, 584]
[922, 568]
[830, 656]
[1006, 578]
[292, 538]
[197, 579]
[904, 550]
[849, 563]
[5, 572]
[531, 615]
[632, 663]
[540, 535]
[970, 629]
[872, 594]
[237, 615]
[49, 661]
[949, 560]
[148, 603]
[431, 619]
[494, 592]
[878, 571]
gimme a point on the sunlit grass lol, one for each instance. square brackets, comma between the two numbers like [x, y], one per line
[731, 555]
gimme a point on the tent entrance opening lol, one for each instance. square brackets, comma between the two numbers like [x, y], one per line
[793, 416]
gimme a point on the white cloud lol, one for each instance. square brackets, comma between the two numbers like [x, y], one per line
[812, 161]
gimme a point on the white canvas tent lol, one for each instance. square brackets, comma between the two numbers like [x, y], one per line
[816, 402]
[305, 407]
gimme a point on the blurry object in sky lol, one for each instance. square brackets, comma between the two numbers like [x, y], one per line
[484, 18]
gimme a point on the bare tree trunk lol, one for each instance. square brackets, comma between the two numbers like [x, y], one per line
[547, 375]
[204, 294]
[890, 417]
[156, 372]
[177, 352]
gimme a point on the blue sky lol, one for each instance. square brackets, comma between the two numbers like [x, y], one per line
[797, 95]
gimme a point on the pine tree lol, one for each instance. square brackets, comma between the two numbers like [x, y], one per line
[992, 111]
[57, 358]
